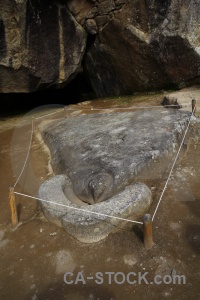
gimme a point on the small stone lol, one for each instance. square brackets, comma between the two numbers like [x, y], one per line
[129, 260]
[53, 233]
[102, 20]
[92, 13]
[106, 6]
[91, 26]
[108, 259]
[32, 246]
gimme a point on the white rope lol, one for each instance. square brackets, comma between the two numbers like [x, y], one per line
[75, 208]
[27, 156]
[55, 112]
[131, 107]
[177, 155]
[117, 108]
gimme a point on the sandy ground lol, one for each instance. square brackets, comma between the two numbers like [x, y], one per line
[36, 255]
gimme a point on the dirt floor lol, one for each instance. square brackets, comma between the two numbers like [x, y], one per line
[36, 255]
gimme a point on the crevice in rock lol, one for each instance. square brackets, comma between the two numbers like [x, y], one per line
[2, 40]
[76, 91]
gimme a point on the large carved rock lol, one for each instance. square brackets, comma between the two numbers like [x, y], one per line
[98, 159]
[103, 153]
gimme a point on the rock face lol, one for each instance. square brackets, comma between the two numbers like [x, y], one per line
[41, 45]
[129, 45]
[145, 46]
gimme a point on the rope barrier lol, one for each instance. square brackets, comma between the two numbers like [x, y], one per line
[63, 205]
[27, 156]
[115, 108]
[131, 107]
[177, 155]
[75, 208]
[147, 220]
[55, 112]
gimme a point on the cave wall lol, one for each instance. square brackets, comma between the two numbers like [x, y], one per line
[121, 46]
[41, 45]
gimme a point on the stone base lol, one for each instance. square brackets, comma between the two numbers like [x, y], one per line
[89, 227]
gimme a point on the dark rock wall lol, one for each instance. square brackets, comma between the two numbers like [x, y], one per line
[146, 45]
[42, 40]
[41, 45]
[121, 46]
[2, 40]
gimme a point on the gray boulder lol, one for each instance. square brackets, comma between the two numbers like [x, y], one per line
[103, 153]
[97, 158]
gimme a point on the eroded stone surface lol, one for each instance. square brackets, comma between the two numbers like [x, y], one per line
[100, 155]
[131, 45]
[87, 225]
[155, 45]
[41, 44]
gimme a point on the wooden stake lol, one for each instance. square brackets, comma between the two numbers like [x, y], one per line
[13, 207]
[193, 106]
[147, 231]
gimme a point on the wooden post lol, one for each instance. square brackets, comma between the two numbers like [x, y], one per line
[13, 207]
[147, 231]
[193, 106]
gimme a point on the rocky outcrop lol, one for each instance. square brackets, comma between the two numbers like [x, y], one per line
[146, 46]
[41, 45]
[129, 45]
